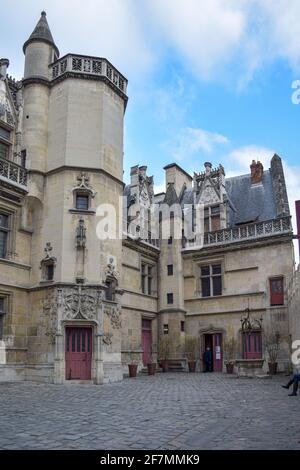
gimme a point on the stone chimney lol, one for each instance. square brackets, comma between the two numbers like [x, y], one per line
[257, 171]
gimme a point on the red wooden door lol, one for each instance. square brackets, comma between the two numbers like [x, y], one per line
[252, 348]
[78, 353]
[146, 341]
[217, 352]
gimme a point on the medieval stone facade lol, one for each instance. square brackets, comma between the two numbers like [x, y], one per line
[76, 306]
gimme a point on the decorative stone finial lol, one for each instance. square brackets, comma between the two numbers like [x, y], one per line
[43, 13]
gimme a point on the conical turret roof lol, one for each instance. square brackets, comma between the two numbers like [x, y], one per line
[41, 33]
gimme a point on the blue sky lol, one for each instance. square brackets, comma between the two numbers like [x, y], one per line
[208, 79]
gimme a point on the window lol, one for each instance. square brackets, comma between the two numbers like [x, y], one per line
[170, 269]
[170, 298]
[277, 291]
[4, 233]
[251, 343]
[212, 219]
[23, 158]
[4, 150]
[182, 326]
[82, 202]
[166, 329]
[110, 293]
[2, 313]
[211, 280]
[4, 143]
[49, 269]
[170, 241]
[147, 276]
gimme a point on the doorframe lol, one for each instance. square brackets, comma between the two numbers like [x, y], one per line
[80, 324]
[211, 330]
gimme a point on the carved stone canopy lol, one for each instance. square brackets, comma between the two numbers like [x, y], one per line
[84, 185]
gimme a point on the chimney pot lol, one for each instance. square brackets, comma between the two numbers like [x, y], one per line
[257, 171]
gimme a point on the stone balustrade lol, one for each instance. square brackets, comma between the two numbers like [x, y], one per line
[96, 66]
[12, 172]
[242, 233]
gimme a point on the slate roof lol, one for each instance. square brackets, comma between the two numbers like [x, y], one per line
[41, 33]
[246, 202]
[251, 203]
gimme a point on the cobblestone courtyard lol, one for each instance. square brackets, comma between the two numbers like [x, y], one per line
[168, 411]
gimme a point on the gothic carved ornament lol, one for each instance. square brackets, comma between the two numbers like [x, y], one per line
[114, 314]
[84, 184]
[80, 303]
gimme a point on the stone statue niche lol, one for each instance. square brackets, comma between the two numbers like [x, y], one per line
[80, 240]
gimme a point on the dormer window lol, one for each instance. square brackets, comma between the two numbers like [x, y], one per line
[212, 219]
[5, 143]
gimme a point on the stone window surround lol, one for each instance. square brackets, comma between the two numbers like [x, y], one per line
[11, 239]
[6, 141]
[153, 266]
[208, 209]
[206, 262]
[6, 296]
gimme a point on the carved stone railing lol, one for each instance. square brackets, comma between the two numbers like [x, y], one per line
[242, 233]
[96, 66]
[13, 172]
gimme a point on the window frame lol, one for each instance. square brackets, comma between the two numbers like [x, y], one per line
[147, 278]
[3, 312]
[7, 231]
[6, 141]
[209, 216]
[82, 194]
[170, 269]
[211, 276]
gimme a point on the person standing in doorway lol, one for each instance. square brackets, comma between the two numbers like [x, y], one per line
[207, 358]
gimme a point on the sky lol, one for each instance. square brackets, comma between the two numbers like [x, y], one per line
[209, 80]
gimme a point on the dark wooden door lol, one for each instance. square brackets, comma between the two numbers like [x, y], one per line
[146, 341]
[217, 352]
[78, 353]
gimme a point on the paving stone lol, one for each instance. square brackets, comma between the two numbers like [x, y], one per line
[169, 411]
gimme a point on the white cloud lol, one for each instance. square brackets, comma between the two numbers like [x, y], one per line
[214, 39]
[239, 159]
[190, 141]
[203, 33]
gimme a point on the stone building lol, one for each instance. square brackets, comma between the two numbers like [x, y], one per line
[293, 306]
[74, 305]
